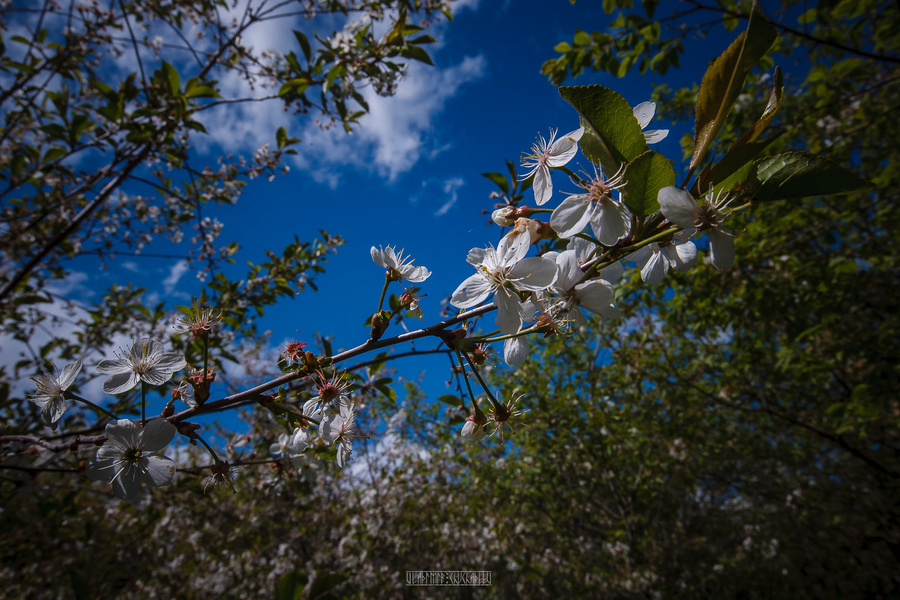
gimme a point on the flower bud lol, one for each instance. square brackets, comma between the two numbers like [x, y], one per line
[504, 216]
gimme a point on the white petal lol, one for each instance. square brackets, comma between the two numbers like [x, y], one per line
[641, 255]
[121, 382]
[156, 376]
[415, 274]
[683, 255]
[474, 290]
[564, 149]
[159, 470]
[721, 247]
[330, 428]
[514, 246]
[656, 268]
[515, 351]
[100, 469]
[127, 486]
[654, 136]
[53, 410]
[171, 361]
[343, 453]
[113, 366]
[377, 256]
[597, 297]
[644, 112]
[542, 185]
[533, 274]
[570, 272]
[612, 273]
[476, 256]
[156, 435]
[509, 311]
[678, 206]
[68, 374]
[610, 223]
[124, 432]
[571, 215]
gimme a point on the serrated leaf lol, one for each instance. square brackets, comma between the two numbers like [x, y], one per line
[724, 80]
[609, 117]
[800, 175]
[731, 163]
[645, 176]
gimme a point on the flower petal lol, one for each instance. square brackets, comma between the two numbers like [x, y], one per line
[121, 382]
[678, 206]
[158, 469]
[156, 435]
[656, 267]
[654, 136]
[113, 366]
[515, 351]
[610, 222]
[542, 185]
[571, 215]
[721, 247]
[509, 311]
[597, 297]
[68, 374]
[564, 149]
[533, 274]
[127, 485]
[644, 112]
[474, 290]
[683, 255]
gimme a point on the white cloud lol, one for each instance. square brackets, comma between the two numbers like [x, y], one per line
[451, 189]
[395, 133]
[175, 273]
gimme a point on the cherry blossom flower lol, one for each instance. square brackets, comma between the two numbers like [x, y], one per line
[145, 361]
[503, 272]
[515, 351]
[290, 446]
[473, 430]
[504, 216]
[585, 251]
[595, 295]
[644, 112]
[610, 220]
[678, 253]
[330, 397]
[50, 395]
[398, 267]
[130, 457]
[680, 208]
[339, 428]
[546, 154]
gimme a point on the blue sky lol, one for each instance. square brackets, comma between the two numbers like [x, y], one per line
[408, 176]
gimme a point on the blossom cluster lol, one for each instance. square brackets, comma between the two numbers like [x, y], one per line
[592, 234]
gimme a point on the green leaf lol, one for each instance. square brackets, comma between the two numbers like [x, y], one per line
[291, 585]
[281, 137]
[172, 77]
[732, 163]
[768, 114]
[724, 80]
[499, 179]
[417, 53]
[451, 400]
[304, 44]
[609, 118]
[800, 175]
[645, 176]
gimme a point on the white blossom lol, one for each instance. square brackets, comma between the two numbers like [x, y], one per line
[644, 112]
[680, 208]
[338, 427]
[399, 266]
[546, 154]
[655, 259]
[610, 220]
[503, 272]
[130, 457]
[145, 361]
[50, 395]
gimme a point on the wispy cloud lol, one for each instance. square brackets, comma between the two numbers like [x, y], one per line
[175, 274]
[451, 191]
